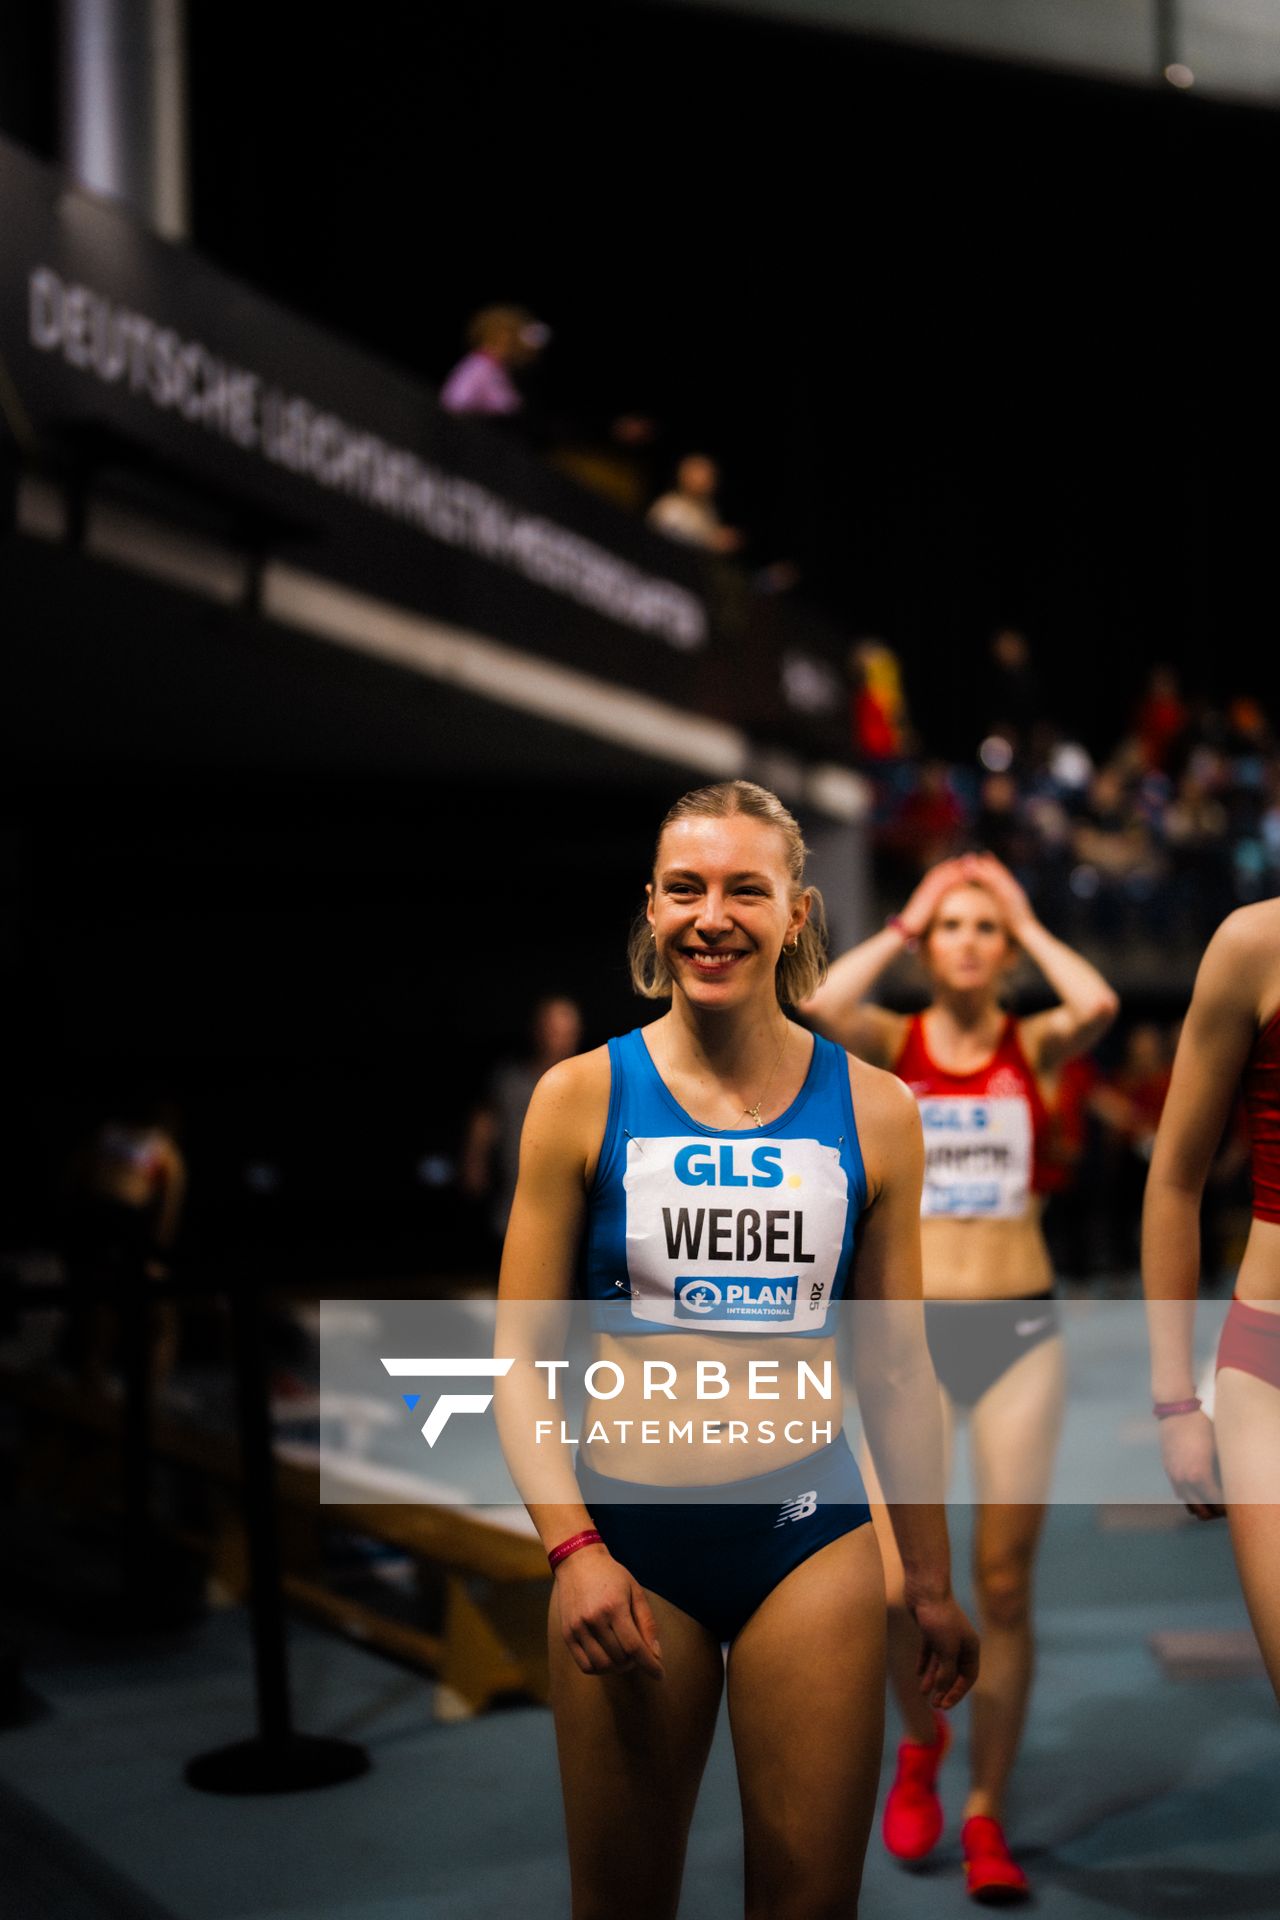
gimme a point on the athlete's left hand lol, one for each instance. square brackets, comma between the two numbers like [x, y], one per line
[1000, 883]
[948, 1663]
[1190, 1455]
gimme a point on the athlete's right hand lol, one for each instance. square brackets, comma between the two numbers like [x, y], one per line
[923, 904]
[607, 1622]
[1190, 1455]
[948, 1663]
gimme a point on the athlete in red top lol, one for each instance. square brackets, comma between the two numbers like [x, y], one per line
[973, 1069]
[1232, 1033]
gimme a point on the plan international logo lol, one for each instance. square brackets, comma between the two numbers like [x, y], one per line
[745, 1299]
[406, 1366]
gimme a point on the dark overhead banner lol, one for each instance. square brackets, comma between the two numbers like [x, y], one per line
[127, 363]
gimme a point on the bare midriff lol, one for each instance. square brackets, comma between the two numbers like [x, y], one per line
[985, 1259]
[1258, 1280]
[713, 1461]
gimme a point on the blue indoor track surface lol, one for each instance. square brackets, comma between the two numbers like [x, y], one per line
[1136, 1794]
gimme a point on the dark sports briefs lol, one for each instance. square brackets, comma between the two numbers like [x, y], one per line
[718, 1559]
[975, 1342]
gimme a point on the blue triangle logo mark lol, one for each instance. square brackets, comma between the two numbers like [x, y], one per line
[411, 1400]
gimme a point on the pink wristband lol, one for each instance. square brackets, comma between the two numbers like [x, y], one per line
[899, 925]
[1166, 1409]
[589, 1538]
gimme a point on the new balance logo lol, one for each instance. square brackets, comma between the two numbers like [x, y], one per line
[798, 1509]
[449, 1403]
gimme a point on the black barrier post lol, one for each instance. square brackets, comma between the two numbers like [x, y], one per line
[276, 1760]
[140, 1564]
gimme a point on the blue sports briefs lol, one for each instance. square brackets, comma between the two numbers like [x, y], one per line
[717, 1551]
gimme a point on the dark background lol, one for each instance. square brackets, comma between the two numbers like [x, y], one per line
[975, 344]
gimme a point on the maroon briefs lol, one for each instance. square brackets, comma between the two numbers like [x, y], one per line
[1251, 1342]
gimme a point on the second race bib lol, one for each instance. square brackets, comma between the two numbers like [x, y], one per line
[977, 1162]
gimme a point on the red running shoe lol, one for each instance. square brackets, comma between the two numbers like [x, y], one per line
[994, 1878]
[913, 1811]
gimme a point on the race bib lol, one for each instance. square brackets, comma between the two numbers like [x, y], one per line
[977, 1158]
[734, 1235]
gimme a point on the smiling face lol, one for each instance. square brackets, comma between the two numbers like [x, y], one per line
[720, 907]
[967, 947]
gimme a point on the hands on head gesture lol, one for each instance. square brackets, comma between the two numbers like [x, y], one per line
[992, 874]
[923, 904]
[967, 869]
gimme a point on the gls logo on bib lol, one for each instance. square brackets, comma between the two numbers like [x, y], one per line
[723, 1232]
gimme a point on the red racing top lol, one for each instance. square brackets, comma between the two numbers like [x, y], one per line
[984, 1131]
[1261, 1089]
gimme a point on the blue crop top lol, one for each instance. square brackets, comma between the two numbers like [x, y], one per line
[735, 1230]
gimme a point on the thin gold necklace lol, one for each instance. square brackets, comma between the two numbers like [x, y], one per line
[753, 1114]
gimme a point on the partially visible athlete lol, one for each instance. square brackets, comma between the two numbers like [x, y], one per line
[724, 1144]
[1230, 1041]
[127, 1189]
[974, 1071]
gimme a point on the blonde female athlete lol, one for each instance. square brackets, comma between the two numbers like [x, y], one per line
[973, 1069]
[1230, 1042]
[729, 1175]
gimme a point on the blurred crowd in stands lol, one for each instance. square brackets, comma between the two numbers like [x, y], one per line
[1142, 851]
[1152, 844]
[1104, 1112]
[1143, 848]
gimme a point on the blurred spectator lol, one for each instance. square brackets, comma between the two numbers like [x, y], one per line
[1161, 720]
[878, 708]
[1012, 700]
[1060, 1163]
[491, 1146]
[126, 1190]
[1001, 826]
[503, 341]
[1128, 1103]
[1109, 834]
[1249, 732]
[689, 513]
[928, 825]
[1120, 863]
[1196, 819]
[1131, 1100]
[615, 459]
[1269, 822]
